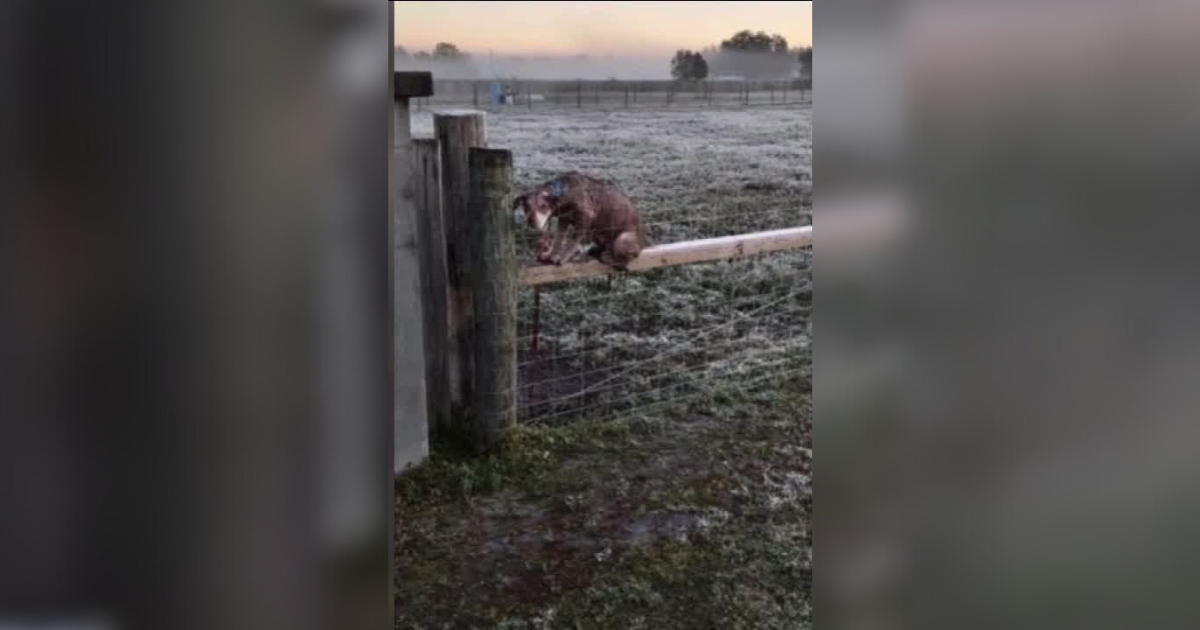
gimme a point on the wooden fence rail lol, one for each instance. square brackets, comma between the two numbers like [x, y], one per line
[682, 253]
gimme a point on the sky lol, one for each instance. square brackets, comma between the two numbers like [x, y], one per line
[593, 28]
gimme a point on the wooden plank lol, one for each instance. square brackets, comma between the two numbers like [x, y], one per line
[493, 271]
[431, 241]
[411, 435]
[684, 253]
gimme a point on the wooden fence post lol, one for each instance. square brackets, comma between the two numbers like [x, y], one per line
[410, 414]
[456, 133]
[493, 278]
[431, 242]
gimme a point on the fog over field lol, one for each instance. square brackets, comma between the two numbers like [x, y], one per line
[548, 68]
[595, 68]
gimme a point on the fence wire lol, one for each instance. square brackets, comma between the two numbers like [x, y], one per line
[664, 340]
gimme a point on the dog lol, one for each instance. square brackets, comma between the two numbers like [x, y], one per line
[594, 218]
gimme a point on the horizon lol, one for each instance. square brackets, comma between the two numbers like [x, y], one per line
[593, 29]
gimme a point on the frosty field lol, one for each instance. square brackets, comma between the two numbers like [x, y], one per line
[661, 473]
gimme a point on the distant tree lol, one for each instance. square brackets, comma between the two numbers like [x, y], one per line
[754, 55]
[746, 41]
[687, 65]
[699, 67]
[446, 50]
[400, 51]
[421, 54]
[804, 56]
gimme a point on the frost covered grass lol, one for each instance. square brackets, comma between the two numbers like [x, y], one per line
[635, 344]
[661, 477]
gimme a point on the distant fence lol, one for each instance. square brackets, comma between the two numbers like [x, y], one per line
[615, 94]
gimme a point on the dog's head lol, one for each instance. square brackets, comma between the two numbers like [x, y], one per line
[535, 208]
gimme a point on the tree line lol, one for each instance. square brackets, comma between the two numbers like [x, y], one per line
[747, 54]
[442, 50]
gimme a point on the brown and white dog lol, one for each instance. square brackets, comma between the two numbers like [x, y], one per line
[594, 218]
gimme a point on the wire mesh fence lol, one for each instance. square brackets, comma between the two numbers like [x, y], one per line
[662, 342]
[666, 341]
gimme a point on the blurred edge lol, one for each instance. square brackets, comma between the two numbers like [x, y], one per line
[195, 416]
[1004, 391]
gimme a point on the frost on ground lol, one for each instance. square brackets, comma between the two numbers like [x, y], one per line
[692, 174]
[662, 474]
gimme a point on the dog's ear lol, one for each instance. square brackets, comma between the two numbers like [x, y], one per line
[518, 201]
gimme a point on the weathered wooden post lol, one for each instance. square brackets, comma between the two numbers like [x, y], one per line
[493, 278]
[411, 425]
[456, 133]
[431, 242]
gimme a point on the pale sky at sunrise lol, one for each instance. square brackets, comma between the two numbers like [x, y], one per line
[593, 28]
